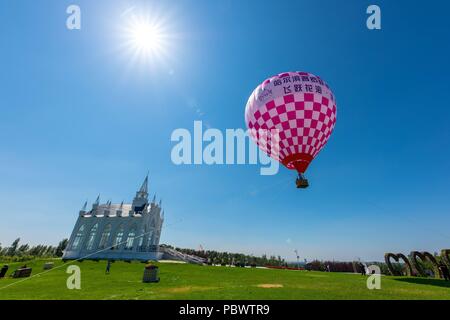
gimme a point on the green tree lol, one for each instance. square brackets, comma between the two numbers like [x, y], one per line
[13, 248]
[61, 247]
[23, 249]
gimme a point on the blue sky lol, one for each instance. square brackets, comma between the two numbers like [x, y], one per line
[79, 118]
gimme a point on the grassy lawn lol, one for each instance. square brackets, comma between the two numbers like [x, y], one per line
[183, 281]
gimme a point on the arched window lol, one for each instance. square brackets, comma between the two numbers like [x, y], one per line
[105, 237]
[118, 239]
[140, 243]
[91, 239]
[142, 238]
[150, 241]
[130, 239]
[78, 238]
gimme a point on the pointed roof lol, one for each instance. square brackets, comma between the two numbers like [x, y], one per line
[84, 206]
[97, 201]
[144, 187]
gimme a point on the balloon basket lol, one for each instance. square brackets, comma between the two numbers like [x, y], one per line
[302, 183]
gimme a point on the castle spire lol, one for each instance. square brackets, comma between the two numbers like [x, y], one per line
[144, 187]
[84, 206]
[141, 199]
[96, 203]
[83, 209]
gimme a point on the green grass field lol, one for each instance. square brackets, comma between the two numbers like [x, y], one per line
[184, 281]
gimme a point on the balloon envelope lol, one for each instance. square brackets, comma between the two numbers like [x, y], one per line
[301, 108]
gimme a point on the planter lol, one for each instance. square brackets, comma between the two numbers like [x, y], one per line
[150, 274]
[48, 265]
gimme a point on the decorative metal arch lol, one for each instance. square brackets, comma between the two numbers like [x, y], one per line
[397, 257]
[425, 256]
[445, 254]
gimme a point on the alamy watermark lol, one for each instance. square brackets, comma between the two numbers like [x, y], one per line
[374, 20]
[74, 280]
[73, 21]
[212, 147]
[374, 279]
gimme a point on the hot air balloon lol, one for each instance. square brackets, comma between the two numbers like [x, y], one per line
[301, 108]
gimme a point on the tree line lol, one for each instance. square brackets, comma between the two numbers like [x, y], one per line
[229, 258]
[22, 252]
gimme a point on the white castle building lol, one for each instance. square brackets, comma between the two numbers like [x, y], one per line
[118, 231]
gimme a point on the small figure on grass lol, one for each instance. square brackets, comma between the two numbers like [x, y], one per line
[108, 267]
[363, 269]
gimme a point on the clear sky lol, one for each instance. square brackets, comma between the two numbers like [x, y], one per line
[81, 116]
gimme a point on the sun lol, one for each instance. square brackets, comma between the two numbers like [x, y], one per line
[146, 38]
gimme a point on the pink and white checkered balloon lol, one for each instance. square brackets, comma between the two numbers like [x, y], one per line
[301, 108]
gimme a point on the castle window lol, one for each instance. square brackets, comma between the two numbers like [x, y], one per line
[105, 236]
[150, 240]
[93, 233]
[118, 240]
[140, 243]
[130, 240]
[142, 240]
[77, 241]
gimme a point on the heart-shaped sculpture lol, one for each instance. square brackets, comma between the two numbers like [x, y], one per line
[424, 256]
[397, 257]
[445, 254]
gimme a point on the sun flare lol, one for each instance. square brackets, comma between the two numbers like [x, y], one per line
[146, 38]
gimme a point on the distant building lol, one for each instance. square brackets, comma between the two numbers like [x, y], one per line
[118, 231]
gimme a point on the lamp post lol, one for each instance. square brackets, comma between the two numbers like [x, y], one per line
[298, 257]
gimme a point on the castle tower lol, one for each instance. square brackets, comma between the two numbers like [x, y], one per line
[140, 201]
